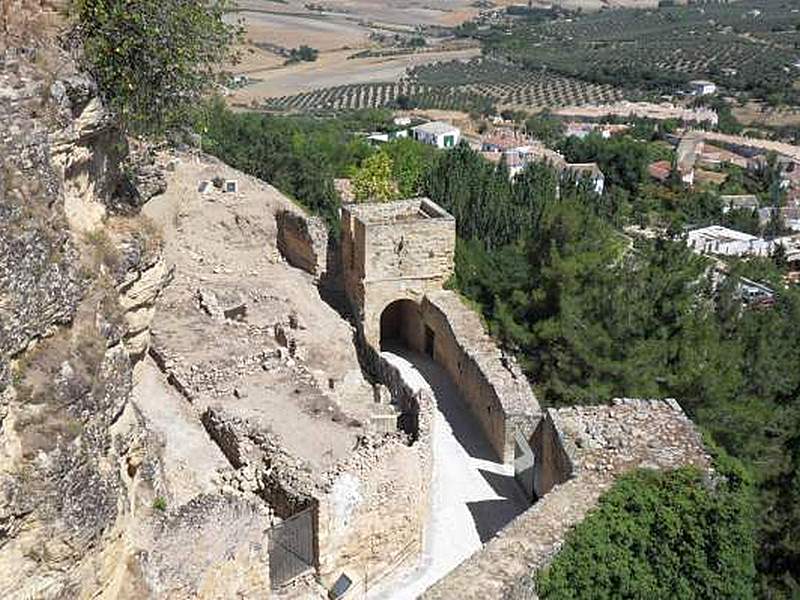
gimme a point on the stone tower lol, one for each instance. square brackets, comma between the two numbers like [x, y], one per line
[393, 251]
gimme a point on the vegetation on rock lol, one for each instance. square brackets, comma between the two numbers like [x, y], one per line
[153, 59]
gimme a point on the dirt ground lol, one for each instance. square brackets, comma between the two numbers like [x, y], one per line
[314, 397]
[756, 114]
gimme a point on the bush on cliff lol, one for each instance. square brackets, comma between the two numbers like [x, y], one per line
[661, 535]
[153, 59]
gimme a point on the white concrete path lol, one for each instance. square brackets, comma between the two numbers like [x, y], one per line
[472, 495]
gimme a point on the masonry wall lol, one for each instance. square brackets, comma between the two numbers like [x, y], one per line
[495, 390]
[371, 519]
[420, 249]
[352, 249]
[302, 241]
[389, 254]
[553, 464]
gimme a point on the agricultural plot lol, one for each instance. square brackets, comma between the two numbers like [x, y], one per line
[750, 46]
[478, 85]
[508, 86]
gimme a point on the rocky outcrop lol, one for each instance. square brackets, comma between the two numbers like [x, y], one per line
[84, 509]
[86, 150]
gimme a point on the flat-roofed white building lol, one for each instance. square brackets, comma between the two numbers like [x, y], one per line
[702, 87]
[729, 242]
[437, 133]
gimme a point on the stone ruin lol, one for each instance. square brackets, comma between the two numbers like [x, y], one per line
[395, 259]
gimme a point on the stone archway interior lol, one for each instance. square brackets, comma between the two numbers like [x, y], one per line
[401, 325]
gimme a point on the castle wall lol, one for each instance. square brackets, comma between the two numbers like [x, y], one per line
[391, 251]
[496, 391]
[371, 519]
[603, 442]
[553, 464]
[303, 241]
[352, 248]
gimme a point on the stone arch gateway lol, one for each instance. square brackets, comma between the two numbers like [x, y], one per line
[401, 324]
[397, 257]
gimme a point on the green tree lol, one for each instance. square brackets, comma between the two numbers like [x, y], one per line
[300, 157]
[411, 162]
[373, 181]
[661, 536]
[153, 59]
[545, 127]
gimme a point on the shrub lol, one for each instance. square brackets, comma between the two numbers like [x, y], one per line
[302, 54]
[153, 59]
[160, 503]
[661, 535]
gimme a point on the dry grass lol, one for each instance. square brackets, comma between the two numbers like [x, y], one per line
[102, 251]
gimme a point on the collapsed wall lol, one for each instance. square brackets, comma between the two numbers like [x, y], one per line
[367, 518]
[303, 241]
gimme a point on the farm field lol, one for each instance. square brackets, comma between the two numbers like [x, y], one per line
[286, 85]
[292, 30]
[571, 60]
[759, 114]
[340, 30]
[749, 46]
[474, 85]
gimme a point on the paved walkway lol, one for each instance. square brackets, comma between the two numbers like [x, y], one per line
[472, 495]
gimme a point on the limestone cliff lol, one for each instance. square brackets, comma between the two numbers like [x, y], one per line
[81, 474]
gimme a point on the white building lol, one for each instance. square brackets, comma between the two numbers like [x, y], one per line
[590, 171]
[702, 87]
[729, 242]
[437, 133]
[382, 137]
[754, 292]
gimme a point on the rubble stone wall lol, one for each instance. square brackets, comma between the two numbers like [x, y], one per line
[303, 241]
[372, 518]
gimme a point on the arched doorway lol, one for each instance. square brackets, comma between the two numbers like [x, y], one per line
[401, 325]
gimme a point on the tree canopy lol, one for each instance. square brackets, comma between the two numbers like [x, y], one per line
[372, 181]
[153, 59]
[674, 535]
